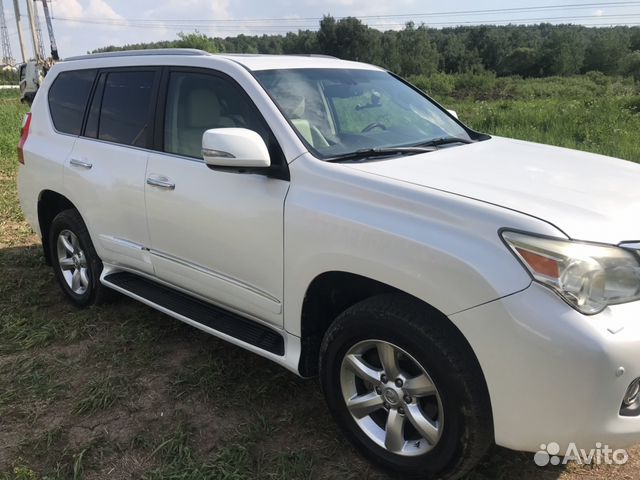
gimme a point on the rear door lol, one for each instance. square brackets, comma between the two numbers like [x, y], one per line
[105, 173]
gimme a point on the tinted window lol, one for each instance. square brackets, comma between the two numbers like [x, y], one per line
[197, 102]
[68, 98]
[124, 116]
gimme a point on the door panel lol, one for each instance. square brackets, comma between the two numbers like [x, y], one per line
[218, 234]
[110, 196]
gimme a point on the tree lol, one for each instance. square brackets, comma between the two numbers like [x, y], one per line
[418, 55]
[523, 61]
[562, 53]
[352, 39]
[631, 65]
[606, 51]
[327, 38]
[196, 40]
[456, 57]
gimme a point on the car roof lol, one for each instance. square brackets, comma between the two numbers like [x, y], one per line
[250, 61]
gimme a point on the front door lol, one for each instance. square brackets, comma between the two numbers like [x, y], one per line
[217, 234]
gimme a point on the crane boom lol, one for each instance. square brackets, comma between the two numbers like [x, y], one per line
[52, 38]
[16, 9]
[7, 57]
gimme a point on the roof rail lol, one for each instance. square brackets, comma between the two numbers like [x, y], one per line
[136, 53]
[320, 55]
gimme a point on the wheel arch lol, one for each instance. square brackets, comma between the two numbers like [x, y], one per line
[50, 204]
[331, 293]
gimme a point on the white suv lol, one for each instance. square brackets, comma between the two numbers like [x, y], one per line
[450, 289]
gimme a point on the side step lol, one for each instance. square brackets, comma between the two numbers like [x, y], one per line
[203, 313]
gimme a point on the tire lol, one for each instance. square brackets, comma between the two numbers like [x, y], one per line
[75, 262]
[442, 388]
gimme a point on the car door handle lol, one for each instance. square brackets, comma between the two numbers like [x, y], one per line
[162, 182]
[79, 163]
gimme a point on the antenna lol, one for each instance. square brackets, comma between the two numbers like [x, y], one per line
[7, 57]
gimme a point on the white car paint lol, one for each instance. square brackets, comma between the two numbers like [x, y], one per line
[587, 196]
[426, 224]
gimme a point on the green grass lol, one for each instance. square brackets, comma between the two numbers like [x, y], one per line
[602, 125]
[121, 391]
[102, 393]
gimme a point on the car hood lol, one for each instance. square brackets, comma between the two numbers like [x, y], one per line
[587, 196]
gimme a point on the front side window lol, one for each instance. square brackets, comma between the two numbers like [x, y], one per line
[68, 98]
[341, 111]
[124, 115]
[197, 102]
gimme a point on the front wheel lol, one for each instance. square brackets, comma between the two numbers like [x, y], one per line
[406, 389]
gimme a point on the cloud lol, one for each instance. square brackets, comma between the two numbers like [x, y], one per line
[599, 12]
[188, 9]
[91, 9]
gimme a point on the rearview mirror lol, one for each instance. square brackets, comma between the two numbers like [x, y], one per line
[234, 147]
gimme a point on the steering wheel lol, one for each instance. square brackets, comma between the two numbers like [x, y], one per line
[373, 125]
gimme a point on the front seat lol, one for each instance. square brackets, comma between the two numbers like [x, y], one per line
[202, 111]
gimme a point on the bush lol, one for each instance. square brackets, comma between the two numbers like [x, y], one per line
[439, 85]
[477, 85]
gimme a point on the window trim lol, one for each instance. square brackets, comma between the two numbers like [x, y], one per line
[279, 169]
[100, 89]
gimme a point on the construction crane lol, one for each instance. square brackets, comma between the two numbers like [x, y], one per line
[36, 22]
[7, 57]
[16, 9]
[52, 38]
[32, 72]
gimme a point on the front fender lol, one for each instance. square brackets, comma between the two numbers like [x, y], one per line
[439, 247]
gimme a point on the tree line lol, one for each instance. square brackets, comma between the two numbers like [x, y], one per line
[524, 50]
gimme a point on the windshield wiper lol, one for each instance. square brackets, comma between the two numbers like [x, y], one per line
[444, 141]
[366, 153]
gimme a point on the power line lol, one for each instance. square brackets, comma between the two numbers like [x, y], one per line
[620, 4]
[187, 24]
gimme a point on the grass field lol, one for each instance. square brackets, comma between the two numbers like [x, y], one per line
[121, 391]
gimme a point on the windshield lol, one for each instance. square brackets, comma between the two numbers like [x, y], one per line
[342, 111]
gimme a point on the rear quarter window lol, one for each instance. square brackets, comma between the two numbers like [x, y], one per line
[68, 99]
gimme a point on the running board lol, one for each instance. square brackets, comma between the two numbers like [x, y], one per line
[196, 310]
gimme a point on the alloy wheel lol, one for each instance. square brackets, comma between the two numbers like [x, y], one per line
[391, 397]
[72, 262]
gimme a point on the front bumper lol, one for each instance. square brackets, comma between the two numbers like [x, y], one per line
[553, 374]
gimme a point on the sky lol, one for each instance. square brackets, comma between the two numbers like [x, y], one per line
[84, 25]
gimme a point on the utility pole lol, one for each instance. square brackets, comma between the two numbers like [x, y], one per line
[7, 57]
[16, 10]
[52, 38]
[34, 34]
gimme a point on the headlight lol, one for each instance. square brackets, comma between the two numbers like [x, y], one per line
[587, 276]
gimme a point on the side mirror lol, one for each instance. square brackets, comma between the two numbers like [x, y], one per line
[453, 113]
[234, 147]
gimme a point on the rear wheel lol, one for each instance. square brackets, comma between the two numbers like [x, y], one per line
[406, 388]
[75, 262]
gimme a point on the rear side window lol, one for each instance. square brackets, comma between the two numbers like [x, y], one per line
[124, 115]
[68, 98]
